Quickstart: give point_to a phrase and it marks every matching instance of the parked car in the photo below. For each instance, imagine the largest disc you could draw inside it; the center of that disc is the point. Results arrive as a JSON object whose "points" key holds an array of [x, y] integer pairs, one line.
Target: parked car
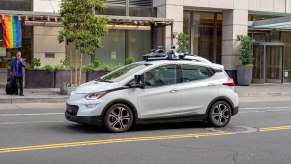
{"points": [[155, 91]]}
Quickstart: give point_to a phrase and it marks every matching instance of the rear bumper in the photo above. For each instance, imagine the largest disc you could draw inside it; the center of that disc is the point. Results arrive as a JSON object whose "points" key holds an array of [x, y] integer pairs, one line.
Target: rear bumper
{"points": [[89, 120], [235, 110]]}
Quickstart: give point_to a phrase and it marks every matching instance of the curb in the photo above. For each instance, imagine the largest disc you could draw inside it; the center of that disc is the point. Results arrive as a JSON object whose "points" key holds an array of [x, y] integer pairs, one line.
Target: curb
{"points": [[33, 100]]}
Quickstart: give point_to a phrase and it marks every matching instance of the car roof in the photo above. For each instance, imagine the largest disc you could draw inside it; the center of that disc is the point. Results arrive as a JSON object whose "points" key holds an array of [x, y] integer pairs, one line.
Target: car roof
{"points": [[191, 62]]}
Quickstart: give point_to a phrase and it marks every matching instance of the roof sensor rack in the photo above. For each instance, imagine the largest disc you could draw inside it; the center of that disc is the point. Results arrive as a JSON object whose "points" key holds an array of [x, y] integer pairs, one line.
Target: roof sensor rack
{"points": [[159, 54]]}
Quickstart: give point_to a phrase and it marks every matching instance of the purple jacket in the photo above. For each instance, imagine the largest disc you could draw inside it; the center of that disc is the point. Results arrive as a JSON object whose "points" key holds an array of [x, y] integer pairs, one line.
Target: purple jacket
{"points": [[13, 67]]}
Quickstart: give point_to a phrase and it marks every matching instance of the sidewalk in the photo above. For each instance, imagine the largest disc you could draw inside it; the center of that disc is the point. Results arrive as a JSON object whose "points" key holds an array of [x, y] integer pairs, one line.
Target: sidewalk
{"points": [[47, 95], [263, 90], [52, 95]]}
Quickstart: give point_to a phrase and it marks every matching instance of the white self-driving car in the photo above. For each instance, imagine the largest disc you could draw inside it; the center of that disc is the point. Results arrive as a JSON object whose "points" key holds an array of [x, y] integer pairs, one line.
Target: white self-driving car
{"points": [[155, 91]]}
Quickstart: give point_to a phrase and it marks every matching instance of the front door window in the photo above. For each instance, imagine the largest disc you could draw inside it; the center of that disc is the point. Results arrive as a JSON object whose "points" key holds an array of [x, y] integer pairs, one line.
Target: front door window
{"points": [[164, 75]]}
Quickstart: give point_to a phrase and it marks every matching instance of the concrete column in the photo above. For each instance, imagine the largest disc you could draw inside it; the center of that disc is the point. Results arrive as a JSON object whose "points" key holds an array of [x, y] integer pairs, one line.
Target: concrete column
{"points": [[171, 9], [235, 22]]}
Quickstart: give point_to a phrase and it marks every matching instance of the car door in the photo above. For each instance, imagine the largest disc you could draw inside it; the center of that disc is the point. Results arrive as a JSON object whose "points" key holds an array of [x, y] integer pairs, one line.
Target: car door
{"points": [[199, 87], [161, 96]]}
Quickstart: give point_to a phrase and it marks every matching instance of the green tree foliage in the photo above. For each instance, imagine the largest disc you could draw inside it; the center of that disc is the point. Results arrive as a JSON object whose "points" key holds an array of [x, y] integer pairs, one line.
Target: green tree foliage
{"points": [[183, 43], [81, 26], [246, 50]]}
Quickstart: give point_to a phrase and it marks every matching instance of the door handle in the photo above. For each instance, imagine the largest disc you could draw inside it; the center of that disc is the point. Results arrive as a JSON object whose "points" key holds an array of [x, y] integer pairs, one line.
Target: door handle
{"points": [[212, 85], [174, 90]]}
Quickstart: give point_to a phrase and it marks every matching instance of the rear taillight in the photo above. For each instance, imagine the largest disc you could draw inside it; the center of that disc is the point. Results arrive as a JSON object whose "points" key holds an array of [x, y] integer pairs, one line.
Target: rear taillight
{"points": [[229, 83]]}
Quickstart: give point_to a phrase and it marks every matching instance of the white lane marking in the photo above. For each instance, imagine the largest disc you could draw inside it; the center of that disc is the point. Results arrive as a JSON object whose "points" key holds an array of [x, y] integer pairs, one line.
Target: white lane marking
{"points": [[274, 110], [266, 108], [13, 123], [31, 114]]}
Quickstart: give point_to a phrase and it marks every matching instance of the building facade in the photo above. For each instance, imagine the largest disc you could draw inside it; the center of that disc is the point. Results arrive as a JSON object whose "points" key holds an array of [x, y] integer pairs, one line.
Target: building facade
{"points": [[213, 27]]}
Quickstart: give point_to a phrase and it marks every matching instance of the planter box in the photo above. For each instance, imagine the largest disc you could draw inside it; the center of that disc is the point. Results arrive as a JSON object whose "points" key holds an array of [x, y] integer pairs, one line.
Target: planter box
{"points": [[39, 79], [64, 76], [244, 75], [94, 75]]}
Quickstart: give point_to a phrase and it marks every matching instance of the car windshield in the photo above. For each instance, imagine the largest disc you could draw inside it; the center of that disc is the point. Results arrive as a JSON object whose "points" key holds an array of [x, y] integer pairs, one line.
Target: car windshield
{"points": [[122, 73]]}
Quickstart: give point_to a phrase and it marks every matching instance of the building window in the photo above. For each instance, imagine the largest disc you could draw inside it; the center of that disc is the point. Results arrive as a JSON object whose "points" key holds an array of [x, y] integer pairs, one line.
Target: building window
{"points": [[137, 8], [19, 5], [118, 45], [205, 31], [140, 11], [139, 43], [113, 10]]}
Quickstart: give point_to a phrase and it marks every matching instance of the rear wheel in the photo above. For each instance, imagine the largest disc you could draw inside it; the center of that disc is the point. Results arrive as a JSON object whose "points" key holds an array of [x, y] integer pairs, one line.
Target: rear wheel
{"points": [[219, 114], [118, 118]]}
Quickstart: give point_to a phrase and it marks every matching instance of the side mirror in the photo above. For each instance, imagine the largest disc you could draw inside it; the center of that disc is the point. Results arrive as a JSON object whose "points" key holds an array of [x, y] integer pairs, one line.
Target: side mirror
{"points": [[136, 83], [137, 78]]}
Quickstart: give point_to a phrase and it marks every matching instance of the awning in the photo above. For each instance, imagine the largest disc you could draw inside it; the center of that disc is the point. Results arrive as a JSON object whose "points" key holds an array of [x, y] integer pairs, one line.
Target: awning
{"points": [[281, 23], [116, 22], [31, 18]]}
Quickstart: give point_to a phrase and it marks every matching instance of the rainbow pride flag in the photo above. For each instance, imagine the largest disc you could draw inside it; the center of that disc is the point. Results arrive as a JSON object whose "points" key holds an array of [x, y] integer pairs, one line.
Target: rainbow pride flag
{"points": [[12, 33]]}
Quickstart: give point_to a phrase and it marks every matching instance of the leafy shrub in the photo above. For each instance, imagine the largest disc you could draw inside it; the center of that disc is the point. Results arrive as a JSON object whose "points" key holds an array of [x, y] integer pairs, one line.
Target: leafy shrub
{"points": [[35, 63], [246, 50], [59, 67], [108, 68], [66, 61], [183, 43], [67, 84], [48, 68], [89, 67], [96, 63], [129, 60]]}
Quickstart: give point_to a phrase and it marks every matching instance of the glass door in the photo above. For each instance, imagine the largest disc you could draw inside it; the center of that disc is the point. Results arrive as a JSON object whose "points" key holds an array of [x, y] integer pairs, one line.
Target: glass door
{"points": [[268, 63], [258, 69], [287, 64], [274, 64]]}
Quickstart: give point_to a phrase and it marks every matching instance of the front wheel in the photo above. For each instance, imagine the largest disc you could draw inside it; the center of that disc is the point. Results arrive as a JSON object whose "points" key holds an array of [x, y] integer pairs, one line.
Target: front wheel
{"points": [[219, 114], [118, 118]]}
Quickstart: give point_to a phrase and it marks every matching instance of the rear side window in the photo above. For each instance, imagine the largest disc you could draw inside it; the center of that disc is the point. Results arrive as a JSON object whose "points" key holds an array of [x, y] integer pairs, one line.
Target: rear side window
{"points": [[194, 72]]}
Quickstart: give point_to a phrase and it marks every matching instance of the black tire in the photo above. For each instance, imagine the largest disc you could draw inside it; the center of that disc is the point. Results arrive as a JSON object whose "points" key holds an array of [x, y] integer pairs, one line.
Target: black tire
{"points": [[118, 118], [219, 114]]}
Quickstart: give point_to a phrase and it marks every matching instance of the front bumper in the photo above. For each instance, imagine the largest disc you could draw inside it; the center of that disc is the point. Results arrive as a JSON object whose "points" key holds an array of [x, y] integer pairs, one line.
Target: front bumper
{"points": [[89, 120], [235, 110]]}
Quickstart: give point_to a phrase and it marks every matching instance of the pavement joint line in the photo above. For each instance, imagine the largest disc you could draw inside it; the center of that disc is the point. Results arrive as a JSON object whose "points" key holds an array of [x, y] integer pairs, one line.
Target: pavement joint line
{"points": [[124, 140]]}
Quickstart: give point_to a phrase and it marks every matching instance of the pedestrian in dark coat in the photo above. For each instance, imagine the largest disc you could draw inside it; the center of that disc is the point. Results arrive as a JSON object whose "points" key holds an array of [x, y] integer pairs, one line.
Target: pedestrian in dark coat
{"points": [[17, 73]]}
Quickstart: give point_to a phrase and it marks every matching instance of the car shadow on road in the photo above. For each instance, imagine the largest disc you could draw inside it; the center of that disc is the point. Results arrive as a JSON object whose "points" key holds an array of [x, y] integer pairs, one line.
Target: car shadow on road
{"points": [[88, 129], [170, 126]]}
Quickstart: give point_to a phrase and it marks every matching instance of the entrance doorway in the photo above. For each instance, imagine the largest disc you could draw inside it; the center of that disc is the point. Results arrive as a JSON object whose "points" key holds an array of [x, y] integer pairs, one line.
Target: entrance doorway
{"points": [[268, 64]]}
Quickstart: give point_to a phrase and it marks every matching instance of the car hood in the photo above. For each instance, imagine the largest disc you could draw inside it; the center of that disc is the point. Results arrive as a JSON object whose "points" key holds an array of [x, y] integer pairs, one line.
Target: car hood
{"points": [[95, 86]]}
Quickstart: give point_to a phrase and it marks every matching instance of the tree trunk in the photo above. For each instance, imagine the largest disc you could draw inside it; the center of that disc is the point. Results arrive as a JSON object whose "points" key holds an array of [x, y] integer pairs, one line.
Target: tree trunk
{"points": [[76, 68], [71, 70], [81, 64]]}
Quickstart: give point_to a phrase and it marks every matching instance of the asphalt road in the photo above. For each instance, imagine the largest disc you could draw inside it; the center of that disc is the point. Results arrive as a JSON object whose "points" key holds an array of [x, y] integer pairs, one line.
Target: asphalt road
{"points": [[39, 134]]}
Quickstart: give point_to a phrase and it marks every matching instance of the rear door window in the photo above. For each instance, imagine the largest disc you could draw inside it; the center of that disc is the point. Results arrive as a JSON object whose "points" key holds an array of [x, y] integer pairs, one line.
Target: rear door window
{"points": [[195, 72]]}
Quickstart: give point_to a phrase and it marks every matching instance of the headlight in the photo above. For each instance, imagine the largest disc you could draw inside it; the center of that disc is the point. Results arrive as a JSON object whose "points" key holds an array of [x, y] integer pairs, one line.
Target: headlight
{"points": [[96, 95]]}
